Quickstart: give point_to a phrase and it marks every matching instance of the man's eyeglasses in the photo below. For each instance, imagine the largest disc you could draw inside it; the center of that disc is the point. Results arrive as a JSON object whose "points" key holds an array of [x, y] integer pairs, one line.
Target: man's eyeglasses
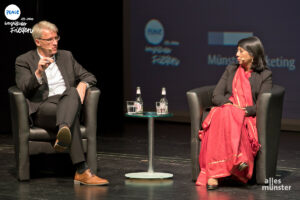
{"points": [[57, 38]]}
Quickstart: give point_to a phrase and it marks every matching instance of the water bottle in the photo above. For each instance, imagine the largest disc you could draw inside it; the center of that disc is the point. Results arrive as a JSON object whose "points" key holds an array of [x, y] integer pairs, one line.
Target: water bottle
{"points": [[139, 100], [164, 101]]}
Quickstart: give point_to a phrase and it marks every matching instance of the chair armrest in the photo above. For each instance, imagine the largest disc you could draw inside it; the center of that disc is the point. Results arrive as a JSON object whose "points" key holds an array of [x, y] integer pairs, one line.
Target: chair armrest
{"points": [[19, 113], [20, 129], [90, 106], [198, 100], [90, 109], [269, 114]]}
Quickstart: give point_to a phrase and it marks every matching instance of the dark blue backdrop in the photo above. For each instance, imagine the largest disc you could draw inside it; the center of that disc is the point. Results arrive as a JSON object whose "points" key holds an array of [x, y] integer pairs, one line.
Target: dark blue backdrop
{"points": [[197, 40]]}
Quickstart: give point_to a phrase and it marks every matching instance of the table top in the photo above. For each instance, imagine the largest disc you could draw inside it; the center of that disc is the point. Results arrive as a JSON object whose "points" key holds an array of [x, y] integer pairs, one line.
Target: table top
{"points": [[148, 115]]}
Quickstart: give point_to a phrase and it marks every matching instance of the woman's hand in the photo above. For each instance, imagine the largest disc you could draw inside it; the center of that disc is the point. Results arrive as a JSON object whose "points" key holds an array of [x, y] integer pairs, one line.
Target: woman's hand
{"points": [[237, 106], [244, 109]]}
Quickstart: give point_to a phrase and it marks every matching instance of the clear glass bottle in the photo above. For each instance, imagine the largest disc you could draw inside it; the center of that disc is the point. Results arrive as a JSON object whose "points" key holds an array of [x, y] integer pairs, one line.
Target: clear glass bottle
{"points": [[139, 100], [164, 101]]}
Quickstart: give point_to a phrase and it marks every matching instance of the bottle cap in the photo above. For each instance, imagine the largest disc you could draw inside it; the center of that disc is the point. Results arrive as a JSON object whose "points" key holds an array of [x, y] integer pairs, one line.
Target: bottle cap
{"points": [[163, 91], [138, 90]]}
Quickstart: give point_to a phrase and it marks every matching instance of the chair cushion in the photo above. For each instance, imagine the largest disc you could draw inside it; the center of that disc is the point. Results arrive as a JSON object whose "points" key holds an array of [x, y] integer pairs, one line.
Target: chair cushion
{"points": [[40, 134], [39, 147]]}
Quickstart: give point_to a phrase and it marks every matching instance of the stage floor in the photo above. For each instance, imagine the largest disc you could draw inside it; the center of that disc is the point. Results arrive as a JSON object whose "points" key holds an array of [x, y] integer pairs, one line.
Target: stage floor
{"points": [[124, 151]]}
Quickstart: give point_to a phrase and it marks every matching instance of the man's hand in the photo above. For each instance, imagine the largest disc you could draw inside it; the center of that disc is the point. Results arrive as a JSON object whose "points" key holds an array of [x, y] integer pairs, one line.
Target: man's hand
{"points": [[81, 89], [42, 65]]}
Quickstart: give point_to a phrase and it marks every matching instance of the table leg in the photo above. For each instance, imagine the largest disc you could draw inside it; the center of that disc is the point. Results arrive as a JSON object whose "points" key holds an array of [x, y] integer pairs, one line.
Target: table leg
{"points": [[150, 174], [150, 144]]}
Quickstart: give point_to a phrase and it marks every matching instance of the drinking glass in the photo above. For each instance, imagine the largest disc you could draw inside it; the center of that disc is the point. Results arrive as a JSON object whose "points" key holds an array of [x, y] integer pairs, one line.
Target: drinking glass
{"points": [[131, 107]]}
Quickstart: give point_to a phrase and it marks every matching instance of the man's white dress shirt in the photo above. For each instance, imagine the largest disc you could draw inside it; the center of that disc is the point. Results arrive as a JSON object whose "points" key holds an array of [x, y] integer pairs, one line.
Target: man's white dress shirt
{"points": [[56, 82]]}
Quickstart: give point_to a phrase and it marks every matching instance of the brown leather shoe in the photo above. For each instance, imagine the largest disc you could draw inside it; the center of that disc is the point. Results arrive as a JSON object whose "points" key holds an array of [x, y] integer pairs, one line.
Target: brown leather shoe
{"points": [[87, 178], [63, 140]]}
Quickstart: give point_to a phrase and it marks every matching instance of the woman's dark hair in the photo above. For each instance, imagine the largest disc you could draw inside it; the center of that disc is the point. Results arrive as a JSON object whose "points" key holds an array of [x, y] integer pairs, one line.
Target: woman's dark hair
{"points": [[255, 48]]}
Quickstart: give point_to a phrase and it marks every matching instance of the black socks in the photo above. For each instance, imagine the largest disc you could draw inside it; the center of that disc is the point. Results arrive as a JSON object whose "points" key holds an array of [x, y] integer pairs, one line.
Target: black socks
{"points": [[81, 167]]}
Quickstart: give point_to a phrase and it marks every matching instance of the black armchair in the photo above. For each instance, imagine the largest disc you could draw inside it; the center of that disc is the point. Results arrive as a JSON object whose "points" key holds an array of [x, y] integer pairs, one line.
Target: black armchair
{"points": [[269, 113], [34, 140]]}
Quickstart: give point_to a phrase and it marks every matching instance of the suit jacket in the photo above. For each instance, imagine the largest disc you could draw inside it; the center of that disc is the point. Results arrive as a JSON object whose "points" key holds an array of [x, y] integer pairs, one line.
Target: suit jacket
{"points": [[260, 82], [26, 65]]}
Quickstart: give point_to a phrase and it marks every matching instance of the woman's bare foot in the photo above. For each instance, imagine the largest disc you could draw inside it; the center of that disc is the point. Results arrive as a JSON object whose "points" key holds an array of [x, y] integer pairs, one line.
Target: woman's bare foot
{"points": [[212, 183]]}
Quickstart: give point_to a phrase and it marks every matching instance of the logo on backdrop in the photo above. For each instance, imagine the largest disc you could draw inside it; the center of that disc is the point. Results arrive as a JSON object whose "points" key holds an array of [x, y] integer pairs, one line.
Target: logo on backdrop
{"points": [[12, 12], [154, 32], [160, 49], [231, 39]]}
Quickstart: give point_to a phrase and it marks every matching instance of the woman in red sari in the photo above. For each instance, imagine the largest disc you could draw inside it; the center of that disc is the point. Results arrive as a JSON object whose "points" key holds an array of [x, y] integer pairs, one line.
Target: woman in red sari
{"points": [[229, 135]]}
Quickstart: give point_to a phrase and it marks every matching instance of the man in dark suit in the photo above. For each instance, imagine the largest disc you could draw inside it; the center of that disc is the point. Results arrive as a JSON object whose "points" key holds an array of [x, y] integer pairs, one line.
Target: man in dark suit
{"points": [[54, 85]]}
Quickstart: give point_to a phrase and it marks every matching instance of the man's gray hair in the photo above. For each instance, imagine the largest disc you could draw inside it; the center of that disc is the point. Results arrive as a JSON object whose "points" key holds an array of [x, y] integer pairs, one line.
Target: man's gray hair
{"points": [[40, 26]]}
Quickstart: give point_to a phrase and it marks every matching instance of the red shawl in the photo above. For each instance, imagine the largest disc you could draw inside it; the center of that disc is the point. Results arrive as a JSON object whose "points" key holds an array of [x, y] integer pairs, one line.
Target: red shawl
{"points": [[228, 136]]}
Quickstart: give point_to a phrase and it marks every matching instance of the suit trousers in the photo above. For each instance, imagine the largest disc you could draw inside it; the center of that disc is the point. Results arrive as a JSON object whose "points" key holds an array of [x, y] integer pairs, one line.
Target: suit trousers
{"points": [[60, 110]]}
